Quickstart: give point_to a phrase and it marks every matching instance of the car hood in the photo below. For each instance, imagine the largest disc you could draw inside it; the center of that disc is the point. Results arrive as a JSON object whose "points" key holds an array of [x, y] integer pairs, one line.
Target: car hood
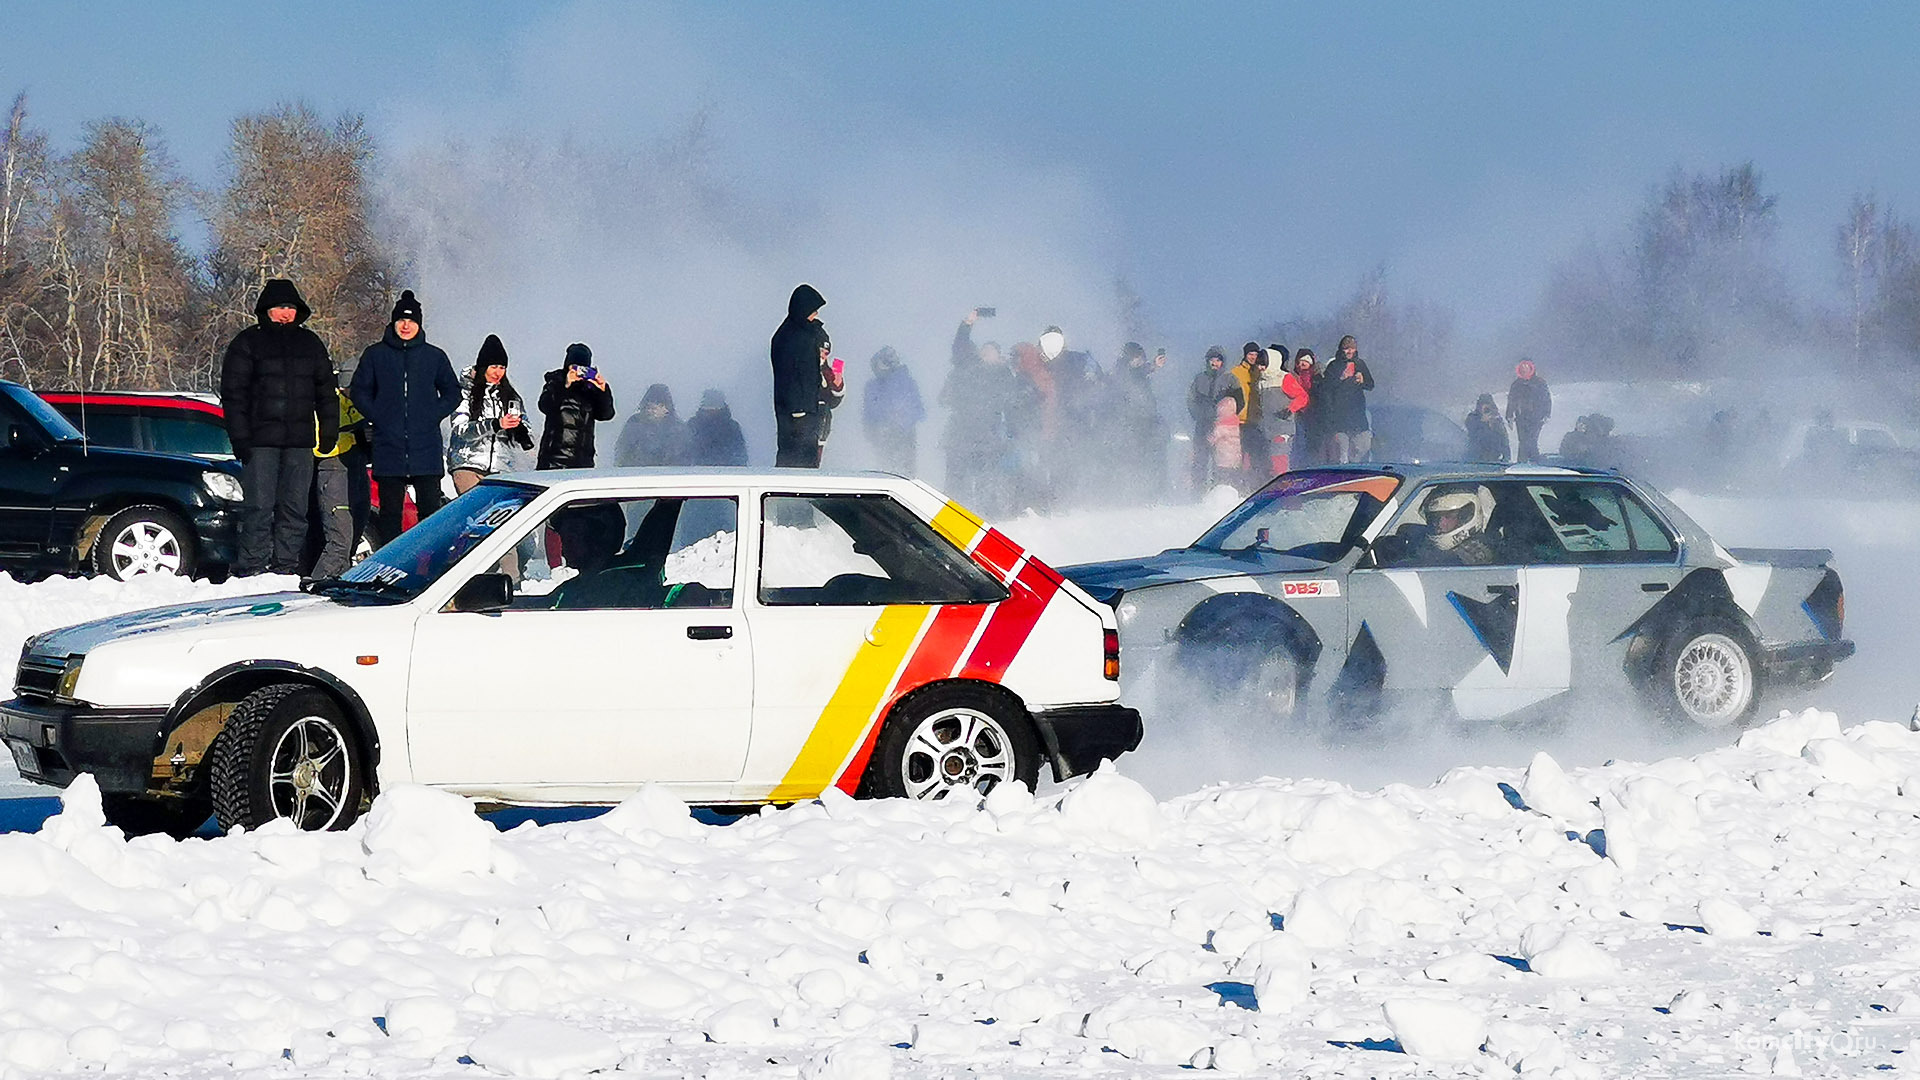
{"points": [[127, 457], [1106, 579], [197, 617]]}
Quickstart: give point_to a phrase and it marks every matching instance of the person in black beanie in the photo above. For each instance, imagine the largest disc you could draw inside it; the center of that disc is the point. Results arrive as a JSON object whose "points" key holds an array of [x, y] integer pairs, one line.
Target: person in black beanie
{"points": [[277, 389], [800, 382], [490, 421], [574, 398], [405, 387]]}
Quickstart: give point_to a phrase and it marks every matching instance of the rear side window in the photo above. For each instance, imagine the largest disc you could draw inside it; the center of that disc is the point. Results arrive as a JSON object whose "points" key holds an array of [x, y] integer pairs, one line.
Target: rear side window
{"points": [[861, 550], [109, 428], [1598, 523]]}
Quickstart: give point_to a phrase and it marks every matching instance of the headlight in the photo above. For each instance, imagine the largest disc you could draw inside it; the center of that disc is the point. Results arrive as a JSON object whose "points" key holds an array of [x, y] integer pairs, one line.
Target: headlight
{"points": [[69, 678], [225, 486]]}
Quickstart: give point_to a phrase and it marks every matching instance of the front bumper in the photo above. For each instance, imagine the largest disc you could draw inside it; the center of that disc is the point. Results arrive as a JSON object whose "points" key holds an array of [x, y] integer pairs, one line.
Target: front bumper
{"points": [[54, 743], [1078, 738], [216, 529]]}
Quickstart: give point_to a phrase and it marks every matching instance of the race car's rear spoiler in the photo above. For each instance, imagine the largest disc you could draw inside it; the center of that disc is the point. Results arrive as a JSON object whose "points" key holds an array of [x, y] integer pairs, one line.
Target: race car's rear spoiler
{"points": [[1783, 557]]}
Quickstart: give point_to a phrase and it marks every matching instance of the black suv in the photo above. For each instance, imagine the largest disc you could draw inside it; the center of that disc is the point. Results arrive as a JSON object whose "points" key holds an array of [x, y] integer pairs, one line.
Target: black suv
{"points": [[67, 506]]}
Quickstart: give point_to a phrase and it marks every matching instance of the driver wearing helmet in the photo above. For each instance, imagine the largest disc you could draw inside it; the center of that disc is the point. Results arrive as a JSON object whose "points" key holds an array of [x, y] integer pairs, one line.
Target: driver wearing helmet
{"points": [[1456, 530]]}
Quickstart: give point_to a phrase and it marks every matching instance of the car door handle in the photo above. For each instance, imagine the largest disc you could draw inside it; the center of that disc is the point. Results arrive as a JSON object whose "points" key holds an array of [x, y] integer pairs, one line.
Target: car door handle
{"points": [[709, 633], [1653, 586], [1506, 592]]}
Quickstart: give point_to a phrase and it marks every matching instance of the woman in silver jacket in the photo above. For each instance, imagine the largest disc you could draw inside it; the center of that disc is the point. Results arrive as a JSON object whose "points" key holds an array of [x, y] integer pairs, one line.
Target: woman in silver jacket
{"points": [[489, 422]]}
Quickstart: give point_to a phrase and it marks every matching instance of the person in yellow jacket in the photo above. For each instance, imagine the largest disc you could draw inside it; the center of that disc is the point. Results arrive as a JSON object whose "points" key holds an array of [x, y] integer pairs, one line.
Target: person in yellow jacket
{"points": [[1249, 373], [331, 493]]}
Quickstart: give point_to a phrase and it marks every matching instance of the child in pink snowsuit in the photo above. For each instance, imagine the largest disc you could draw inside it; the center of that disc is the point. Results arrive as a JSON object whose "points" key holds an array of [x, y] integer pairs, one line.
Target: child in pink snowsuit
{"points": [[1228, 458]]}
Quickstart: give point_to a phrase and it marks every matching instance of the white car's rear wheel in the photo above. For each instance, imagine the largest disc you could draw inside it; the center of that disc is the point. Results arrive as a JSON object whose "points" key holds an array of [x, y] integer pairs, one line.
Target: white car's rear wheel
{"points": [[955, 741]]}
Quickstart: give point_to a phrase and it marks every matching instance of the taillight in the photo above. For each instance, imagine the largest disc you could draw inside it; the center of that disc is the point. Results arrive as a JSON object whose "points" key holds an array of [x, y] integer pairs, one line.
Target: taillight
{"points": [[1110, 642]]}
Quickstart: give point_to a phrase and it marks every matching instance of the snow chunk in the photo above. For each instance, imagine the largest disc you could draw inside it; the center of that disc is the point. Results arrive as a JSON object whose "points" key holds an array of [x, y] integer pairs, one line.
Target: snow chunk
{"points": [[535, 1047], [1724, 918], [429, 1019], [649, 813], [1547, 788], [741, 1022], [850, 1061], [420, 834], [1840, 763], [1789, 734], [1107, 806], [1550, 953], [1142, 1031], [1465, 968], [1443, 1030]]}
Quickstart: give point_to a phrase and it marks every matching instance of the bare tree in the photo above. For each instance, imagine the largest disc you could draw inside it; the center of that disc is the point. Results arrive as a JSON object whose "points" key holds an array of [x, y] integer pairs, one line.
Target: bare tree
{"points": [[296, 204]]}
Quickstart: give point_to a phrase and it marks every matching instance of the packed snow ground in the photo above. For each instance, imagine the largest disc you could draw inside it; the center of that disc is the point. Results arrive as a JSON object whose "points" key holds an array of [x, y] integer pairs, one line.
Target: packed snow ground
{"points": [[1749, 908]]}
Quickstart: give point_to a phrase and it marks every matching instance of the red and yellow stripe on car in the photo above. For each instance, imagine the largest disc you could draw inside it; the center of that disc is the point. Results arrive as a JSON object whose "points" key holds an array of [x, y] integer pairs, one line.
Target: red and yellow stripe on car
{"points": [[913, 645]]}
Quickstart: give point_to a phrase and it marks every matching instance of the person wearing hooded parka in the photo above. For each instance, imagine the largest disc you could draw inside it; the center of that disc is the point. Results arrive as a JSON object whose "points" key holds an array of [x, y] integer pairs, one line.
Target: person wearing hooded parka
{"points": [[713, 435], [800, 386], [653, 435], [405, 387], [278, 393], [891, 411]]}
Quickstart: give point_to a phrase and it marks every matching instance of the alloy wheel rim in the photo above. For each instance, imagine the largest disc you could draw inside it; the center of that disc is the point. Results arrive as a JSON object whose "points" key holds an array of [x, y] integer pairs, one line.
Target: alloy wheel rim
{"points": [[1711, 679], [1276, 685], [956, 750], [311, 774], [145, 547]]}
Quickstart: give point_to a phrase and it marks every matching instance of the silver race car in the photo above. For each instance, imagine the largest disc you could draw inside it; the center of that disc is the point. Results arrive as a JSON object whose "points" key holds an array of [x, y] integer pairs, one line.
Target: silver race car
{"points": [[1480, 592]]}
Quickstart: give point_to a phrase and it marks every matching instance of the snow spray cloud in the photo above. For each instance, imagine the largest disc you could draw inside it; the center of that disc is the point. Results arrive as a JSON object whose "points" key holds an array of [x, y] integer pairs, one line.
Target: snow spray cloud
{"points": [[665, 227]]}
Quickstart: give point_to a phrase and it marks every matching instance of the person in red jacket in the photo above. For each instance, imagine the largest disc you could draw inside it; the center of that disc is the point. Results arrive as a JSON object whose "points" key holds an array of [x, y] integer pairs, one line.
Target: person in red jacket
{"points": [[1297, 385]]}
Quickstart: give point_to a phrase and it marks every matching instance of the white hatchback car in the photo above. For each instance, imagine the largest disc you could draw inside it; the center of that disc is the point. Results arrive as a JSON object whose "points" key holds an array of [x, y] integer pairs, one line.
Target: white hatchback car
{"points": [[566, 637]]}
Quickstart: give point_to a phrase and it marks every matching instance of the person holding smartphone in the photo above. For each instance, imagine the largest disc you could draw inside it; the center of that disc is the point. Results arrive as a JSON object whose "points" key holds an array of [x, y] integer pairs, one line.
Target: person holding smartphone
{"points": [[573, 399], [802, 377], [490, 422]]}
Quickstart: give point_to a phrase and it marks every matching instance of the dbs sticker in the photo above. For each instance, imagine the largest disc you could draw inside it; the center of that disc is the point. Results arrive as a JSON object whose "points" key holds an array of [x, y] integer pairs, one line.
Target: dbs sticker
{"points": [[1310, 588]]}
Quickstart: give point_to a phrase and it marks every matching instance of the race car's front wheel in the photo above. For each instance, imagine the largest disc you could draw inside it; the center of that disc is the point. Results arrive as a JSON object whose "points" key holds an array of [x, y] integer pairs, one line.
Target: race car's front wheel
{"points": [[1708, 675], [954, 741], [288, 753]]}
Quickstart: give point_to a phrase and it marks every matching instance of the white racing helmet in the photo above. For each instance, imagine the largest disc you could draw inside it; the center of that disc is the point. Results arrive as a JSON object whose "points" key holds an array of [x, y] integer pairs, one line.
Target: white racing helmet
{"points": [[1474, 503]]}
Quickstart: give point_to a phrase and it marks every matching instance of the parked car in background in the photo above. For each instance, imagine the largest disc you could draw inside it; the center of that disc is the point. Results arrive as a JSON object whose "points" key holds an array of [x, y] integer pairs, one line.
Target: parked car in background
{"points": [[69, 506], [738, 637], [1403, 432], [1474, 593], [183, 423]]}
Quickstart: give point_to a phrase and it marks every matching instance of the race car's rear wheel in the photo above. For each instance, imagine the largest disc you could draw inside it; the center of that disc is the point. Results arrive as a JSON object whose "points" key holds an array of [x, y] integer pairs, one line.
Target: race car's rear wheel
{"points": [[287, 752], [142, 540], [954, 741], [1707, 675]]}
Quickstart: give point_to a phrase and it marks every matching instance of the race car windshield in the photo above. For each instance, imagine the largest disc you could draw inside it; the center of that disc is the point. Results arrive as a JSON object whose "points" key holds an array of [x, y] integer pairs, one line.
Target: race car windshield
{"points": [[416, 558], [1316, 515]]}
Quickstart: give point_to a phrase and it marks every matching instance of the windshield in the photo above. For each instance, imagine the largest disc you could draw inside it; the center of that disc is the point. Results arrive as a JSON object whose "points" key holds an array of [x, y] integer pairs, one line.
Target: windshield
{"points": [[1315, 515], [418, 557], [49, 418]]}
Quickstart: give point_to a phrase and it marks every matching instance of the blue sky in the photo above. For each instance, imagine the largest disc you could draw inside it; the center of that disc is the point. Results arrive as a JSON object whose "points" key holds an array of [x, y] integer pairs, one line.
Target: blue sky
{"points": [[1235, 161]]}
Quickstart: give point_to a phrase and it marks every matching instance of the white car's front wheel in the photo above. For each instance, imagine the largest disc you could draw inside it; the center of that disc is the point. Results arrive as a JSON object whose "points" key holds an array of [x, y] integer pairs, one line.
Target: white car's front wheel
{"points": [[288, 753], [954, 741], [1709, 675]]}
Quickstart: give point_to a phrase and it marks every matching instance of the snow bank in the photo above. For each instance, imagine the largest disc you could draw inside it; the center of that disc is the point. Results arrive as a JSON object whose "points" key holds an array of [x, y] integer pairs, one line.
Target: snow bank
{"points": [[1274, 928]]}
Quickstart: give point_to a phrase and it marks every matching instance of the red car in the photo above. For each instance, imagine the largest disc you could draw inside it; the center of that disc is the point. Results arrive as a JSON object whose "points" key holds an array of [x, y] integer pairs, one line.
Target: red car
{"points": [[171, 422]]}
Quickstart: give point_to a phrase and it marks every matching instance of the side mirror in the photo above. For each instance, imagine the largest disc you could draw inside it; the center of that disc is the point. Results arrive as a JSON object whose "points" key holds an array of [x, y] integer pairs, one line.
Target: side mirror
{"points": [[486, 593]]}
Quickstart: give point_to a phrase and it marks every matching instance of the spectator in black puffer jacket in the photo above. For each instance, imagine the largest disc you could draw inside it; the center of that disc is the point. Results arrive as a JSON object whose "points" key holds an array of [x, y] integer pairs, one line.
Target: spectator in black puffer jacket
{"points": [[575, 398], [655, 435], [713, 435], [277, 388], [405, 387]]}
